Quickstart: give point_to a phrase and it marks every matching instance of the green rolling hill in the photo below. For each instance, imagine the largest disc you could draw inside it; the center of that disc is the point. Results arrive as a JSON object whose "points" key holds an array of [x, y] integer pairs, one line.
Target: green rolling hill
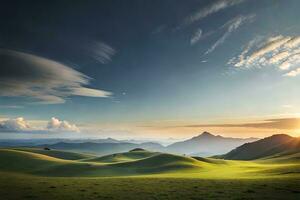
{"points": [[128, 163], [123, 157], [67, 155], [141, 163], [26, 162]]}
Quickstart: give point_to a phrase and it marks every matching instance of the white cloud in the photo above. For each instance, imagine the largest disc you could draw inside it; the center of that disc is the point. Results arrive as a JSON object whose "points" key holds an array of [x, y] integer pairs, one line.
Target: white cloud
{"points": [[196, 36], [279, 57], [280, 51], [61, 126], [272, 46], [242, 57], [90, 92], [15, 125], [293, 73], [292, 60], [210, 9], [294, 42], [46, 81], [231, 26], [20, 125]]}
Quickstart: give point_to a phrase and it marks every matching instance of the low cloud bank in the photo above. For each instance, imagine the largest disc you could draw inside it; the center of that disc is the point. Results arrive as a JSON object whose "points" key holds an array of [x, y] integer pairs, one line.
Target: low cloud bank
{"points": [[20, 125]]}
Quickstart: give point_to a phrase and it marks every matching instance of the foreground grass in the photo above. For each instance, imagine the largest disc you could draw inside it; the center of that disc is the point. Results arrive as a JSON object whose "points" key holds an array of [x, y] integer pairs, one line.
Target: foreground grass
{"points": [[16, 186]]}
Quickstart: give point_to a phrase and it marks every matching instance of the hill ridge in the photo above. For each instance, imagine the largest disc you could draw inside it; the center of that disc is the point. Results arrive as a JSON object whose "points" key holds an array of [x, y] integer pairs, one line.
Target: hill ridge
{"points": [[268, 146]]}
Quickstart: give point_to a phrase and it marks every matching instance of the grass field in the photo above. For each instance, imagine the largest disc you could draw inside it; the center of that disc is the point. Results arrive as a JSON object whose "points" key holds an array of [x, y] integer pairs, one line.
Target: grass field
{"points": [[39, 174]]}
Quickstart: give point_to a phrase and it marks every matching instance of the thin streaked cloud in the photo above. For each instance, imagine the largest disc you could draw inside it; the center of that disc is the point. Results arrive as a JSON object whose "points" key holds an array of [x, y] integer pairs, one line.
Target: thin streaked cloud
{"points": [[280, 51], [282, 123], [230, 27], [210, 9], [196, 36], [11, 106], [99, 51]]}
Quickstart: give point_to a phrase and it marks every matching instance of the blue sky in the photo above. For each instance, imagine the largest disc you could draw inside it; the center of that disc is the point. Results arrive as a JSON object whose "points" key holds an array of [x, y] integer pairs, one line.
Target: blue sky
{"points": [[149, 68]]}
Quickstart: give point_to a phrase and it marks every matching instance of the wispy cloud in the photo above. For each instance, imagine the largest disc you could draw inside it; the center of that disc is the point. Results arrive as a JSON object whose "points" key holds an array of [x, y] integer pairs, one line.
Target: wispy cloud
{"points": [[283, 123], [99, 51], [280, 51], [210, 9], [270, 46], [293, 73], [230, 27], [196, 36], [11, 106], [290, 61], [45, 80], [287, 106]]}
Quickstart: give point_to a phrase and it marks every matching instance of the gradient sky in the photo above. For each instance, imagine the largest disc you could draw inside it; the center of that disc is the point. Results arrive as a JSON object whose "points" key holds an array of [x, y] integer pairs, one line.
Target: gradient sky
{"points": [[149, 69]]}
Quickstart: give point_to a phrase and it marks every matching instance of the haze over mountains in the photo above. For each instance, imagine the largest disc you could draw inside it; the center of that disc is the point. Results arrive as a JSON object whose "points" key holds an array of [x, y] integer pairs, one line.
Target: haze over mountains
{"points": [[205, 144], [103, 148]]}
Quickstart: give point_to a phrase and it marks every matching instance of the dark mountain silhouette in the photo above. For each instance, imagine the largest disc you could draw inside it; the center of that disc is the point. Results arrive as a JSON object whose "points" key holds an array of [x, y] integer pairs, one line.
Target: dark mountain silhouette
{"points": [[276, 144], [207, 144]]}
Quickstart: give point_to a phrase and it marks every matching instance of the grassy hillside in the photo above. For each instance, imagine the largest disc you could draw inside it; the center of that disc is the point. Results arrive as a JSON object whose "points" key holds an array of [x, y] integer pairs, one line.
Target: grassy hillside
{"points": [[145, 163], [158, 163], [67, 155], [25, 174], [285, 157], [26, 162], [123, 157], [134, 163]]}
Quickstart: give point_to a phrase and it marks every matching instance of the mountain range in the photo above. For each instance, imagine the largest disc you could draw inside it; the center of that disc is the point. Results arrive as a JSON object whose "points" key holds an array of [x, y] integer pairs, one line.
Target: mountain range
{"points": [[205, 144]]}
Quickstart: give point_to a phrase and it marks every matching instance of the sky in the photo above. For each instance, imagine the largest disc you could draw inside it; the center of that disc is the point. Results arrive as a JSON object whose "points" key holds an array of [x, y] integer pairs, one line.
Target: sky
{"points": [[144, 69]]}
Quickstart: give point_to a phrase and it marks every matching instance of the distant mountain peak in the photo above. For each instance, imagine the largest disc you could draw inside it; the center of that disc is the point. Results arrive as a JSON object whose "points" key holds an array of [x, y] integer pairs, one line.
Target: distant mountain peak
{"points": [[205, 134], [208, 143]]}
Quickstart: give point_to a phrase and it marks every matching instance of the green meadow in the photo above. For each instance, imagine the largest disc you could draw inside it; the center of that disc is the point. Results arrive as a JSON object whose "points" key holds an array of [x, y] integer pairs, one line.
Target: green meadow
{"points": [[27, 173]]}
